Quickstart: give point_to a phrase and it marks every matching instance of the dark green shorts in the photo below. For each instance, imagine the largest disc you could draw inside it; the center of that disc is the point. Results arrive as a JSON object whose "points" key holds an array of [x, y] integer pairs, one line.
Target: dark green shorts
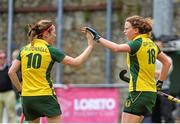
{"points": [[140, 103], [40, 106]]}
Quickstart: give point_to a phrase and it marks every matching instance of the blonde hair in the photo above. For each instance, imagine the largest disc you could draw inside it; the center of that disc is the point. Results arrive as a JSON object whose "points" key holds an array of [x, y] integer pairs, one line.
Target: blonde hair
{"points": [[36, 31]]}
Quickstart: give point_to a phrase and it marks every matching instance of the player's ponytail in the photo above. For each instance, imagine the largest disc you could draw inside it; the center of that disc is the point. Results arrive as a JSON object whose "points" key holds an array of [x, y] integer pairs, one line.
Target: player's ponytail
{"points": [[37, 30]]}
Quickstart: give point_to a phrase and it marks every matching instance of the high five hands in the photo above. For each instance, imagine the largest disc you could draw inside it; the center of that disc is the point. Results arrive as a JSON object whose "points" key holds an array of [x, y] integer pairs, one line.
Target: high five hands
{"points": [[94, 33]]}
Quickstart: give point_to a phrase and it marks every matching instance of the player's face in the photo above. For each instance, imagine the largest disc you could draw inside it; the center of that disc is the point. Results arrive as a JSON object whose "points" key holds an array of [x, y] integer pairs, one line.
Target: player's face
{"points": [[129, 31], [52, 35]]}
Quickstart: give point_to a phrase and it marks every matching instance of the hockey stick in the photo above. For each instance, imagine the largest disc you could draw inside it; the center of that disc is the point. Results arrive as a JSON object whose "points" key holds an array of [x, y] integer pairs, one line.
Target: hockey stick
{"points": [[169, 97]]}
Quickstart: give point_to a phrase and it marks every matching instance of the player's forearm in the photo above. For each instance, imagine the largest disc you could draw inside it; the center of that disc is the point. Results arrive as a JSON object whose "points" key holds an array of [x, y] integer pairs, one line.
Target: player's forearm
{"points": [[14, 79], [164, 71], [114, 46], [108, 44], [83, 56]]}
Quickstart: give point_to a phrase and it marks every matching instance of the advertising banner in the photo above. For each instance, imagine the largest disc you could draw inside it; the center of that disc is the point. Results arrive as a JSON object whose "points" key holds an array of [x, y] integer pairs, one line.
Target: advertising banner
{"points": [[89, 105]]}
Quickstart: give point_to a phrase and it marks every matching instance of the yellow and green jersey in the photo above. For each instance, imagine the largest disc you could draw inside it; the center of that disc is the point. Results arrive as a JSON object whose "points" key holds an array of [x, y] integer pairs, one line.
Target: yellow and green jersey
{"points": [[36, 64], [141, 63]]}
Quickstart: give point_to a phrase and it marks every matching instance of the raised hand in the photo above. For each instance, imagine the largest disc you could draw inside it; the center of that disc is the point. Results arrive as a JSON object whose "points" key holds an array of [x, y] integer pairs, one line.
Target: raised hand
{"points": [[94, 33], [89, 36]]}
